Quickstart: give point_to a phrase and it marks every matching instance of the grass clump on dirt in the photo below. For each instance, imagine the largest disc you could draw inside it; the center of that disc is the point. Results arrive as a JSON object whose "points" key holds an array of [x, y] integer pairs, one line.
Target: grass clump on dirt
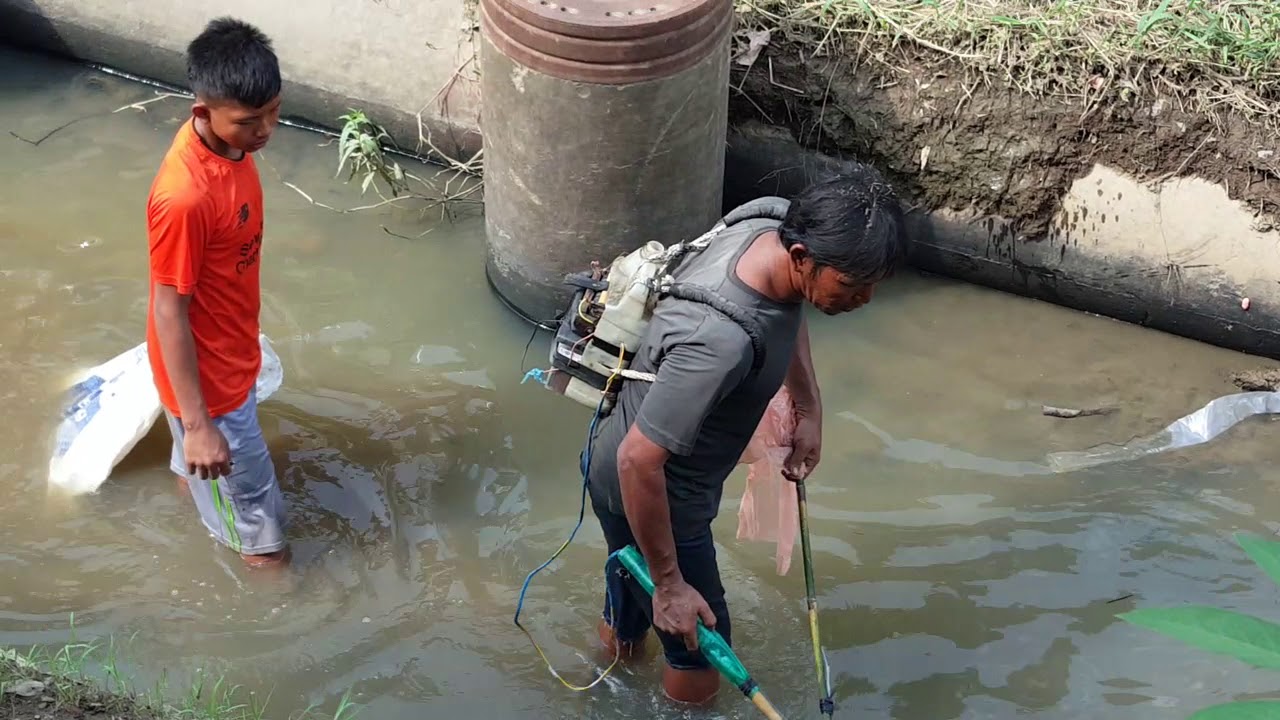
{"points": [[82, 681], [1207, 55]]}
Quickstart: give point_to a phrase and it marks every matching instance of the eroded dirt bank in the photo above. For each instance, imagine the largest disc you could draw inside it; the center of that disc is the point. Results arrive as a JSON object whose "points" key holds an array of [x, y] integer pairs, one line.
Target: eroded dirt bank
{"points": [[948, 143], [1005, 168]]}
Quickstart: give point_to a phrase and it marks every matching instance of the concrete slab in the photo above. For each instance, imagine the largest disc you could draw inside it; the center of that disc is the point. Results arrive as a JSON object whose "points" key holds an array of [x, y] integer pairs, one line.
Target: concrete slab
{"points": [[393, 58]]}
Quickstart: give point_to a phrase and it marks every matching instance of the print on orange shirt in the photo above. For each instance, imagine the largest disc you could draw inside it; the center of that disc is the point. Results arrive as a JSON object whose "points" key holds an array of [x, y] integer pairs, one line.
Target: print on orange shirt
{"points": [[204, 227]]}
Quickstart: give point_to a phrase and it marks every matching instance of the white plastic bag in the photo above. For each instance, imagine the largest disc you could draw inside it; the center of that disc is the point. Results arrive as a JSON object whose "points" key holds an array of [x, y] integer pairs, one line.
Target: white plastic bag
{"points": [[113, 406]]}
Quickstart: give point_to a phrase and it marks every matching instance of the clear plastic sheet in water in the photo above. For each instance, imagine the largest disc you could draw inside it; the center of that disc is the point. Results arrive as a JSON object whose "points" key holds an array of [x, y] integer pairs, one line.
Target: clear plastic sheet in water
{"points": [[1201, 426]]}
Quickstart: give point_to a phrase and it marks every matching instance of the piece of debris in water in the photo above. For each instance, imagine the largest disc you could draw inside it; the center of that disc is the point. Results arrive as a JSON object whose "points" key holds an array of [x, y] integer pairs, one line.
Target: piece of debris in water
{"points": [[1068, 413], [1267, 380]]}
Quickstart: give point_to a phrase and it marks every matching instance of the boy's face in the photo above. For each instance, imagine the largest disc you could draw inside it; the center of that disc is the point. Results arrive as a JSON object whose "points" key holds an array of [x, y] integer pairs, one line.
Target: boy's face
{"points": [[244, 128]]}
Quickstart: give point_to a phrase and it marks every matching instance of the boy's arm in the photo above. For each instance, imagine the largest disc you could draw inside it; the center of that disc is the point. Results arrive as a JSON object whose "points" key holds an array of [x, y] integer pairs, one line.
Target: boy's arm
{"points": [[177, 232], [178, 349]]}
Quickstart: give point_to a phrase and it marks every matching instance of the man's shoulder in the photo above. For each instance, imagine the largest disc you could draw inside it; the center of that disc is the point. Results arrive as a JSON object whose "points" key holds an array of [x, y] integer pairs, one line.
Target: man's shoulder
{"points": [[685, 322]]}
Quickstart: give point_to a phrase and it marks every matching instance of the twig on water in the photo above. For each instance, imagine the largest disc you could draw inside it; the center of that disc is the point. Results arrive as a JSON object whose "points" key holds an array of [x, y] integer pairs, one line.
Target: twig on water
{"points": [[319, 204], [388, 231], [140, 105], [1068, 413], [51, 133]]}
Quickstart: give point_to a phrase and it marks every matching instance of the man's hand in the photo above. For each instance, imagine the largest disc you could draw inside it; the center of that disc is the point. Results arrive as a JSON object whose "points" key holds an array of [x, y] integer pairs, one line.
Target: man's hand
{"points": [[806, 446], [676, 609], [206, 452]]}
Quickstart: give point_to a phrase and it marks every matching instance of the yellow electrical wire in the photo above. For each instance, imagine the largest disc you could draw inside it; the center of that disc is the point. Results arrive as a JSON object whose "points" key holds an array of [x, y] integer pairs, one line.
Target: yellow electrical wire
{"points": [[617, 655]]}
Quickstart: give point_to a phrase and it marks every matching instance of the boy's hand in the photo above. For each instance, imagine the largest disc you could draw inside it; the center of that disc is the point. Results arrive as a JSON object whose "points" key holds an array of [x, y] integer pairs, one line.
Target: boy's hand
{"points": [[206, 452]]}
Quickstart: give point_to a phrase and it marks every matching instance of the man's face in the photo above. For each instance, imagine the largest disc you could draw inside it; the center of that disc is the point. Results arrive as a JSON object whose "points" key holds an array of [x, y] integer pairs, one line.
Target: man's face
{"points": [[244, 128], [828, 289], [834, 293]]}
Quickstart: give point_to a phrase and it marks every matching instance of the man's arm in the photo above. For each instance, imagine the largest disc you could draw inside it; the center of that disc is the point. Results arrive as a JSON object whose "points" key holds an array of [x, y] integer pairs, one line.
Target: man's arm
{"points": [[692, 378], [644, 499], [801, 381]]}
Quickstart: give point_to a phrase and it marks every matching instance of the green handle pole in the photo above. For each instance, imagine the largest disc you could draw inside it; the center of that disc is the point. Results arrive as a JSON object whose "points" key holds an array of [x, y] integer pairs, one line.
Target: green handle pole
{"points": [[710, 643]]}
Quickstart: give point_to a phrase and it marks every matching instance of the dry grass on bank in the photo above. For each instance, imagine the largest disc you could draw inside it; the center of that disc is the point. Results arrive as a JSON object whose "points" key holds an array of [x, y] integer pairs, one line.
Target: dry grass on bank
{"points": [[1208, 55]]}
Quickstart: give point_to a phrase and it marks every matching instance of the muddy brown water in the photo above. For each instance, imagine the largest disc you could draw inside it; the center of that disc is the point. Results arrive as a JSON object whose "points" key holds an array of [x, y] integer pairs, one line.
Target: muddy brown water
{"points": [[956, 579]]}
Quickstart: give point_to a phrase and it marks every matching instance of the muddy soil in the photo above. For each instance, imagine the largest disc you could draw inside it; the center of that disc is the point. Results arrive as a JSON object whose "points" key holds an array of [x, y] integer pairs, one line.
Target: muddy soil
{"points": [[33, 709], [948, 143], [35, 697]]}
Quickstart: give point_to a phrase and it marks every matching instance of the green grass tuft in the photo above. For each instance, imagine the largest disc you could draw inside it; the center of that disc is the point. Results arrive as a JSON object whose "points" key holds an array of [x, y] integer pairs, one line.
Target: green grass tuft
{"points": [[1207, 55], [85, 677]]}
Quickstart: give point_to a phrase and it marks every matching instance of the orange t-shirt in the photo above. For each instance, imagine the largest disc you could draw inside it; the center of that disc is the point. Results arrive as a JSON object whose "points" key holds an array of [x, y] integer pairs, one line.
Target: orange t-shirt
{"points": [[204, 226]]}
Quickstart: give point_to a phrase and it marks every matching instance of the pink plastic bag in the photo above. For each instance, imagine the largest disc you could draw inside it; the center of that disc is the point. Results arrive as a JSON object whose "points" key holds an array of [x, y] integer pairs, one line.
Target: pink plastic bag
{"points": [[769, 511]]}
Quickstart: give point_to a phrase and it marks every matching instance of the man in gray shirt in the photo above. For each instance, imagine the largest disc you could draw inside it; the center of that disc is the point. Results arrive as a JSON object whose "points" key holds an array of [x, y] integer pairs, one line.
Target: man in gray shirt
{"points": [[659, 460]]}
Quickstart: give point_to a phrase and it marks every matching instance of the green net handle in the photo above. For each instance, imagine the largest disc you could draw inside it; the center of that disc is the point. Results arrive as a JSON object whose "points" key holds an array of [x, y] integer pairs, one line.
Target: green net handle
{"points": [[710, 643]]}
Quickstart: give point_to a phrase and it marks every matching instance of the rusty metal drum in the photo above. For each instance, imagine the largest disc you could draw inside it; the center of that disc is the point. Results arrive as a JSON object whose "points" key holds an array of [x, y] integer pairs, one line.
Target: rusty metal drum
{"points": [[604, 125]]}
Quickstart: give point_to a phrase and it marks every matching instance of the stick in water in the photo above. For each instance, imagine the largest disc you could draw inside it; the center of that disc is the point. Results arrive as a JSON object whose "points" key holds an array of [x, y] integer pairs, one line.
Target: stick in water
{"points": [[1068, 413], [826, 704]]}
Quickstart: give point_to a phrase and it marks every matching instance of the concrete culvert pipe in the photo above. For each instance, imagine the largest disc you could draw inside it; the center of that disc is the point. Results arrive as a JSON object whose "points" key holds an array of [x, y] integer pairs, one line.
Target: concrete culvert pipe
{"points": [[604, 127]]}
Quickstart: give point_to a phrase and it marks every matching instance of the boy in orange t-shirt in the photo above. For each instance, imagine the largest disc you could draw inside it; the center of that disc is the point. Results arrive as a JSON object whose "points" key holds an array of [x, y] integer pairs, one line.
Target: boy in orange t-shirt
{"points": [[204, 226]]}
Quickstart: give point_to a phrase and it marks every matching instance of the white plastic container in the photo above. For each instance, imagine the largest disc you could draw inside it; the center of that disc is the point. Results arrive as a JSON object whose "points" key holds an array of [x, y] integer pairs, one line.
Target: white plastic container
{"points": [[628, 306]]}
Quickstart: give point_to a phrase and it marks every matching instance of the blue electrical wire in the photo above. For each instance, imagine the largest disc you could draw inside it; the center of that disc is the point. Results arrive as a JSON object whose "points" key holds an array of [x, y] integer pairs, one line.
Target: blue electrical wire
{"points": [[584, 467]]}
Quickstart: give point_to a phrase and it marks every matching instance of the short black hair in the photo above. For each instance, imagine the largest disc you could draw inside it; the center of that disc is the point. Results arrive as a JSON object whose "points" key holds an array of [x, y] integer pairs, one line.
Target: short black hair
{"points": [[231, 60], [851, 222]]}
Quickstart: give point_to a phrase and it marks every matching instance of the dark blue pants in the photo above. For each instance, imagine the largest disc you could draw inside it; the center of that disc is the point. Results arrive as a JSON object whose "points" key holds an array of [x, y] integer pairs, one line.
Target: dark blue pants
{"points": [[628, 608]]}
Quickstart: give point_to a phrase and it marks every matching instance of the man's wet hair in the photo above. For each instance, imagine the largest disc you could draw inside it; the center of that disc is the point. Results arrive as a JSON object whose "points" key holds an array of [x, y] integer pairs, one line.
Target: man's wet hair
{"points": [[851, 222], [233, 61]]}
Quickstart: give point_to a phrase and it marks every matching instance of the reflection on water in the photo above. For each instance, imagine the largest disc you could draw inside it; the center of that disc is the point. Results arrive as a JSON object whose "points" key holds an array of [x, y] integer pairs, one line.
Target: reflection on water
{"points": [[957, 578]]}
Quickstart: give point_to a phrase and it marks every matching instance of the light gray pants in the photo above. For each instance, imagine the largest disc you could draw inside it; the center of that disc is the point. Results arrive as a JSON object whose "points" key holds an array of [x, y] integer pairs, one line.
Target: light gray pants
{"points": [[246, 511]]}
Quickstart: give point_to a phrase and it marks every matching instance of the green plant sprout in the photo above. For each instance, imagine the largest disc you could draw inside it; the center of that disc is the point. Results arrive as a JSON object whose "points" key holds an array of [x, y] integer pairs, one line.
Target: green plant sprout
{"points": [[362, 151], [1247, 638], [360, 144]]}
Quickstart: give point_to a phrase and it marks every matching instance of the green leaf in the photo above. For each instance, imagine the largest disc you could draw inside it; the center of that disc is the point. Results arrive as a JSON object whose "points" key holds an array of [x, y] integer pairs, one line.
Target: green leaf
{"points": [[1266, 553], [1253, 710], [1244, 637]]}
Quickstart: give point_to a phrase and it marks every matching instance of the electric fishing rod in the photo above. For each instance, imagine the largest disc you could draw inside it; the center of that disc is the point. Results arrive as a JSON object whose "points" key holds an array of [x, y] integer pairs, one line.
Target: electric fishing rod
{"points": [[827, 704], [710, 643]]}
